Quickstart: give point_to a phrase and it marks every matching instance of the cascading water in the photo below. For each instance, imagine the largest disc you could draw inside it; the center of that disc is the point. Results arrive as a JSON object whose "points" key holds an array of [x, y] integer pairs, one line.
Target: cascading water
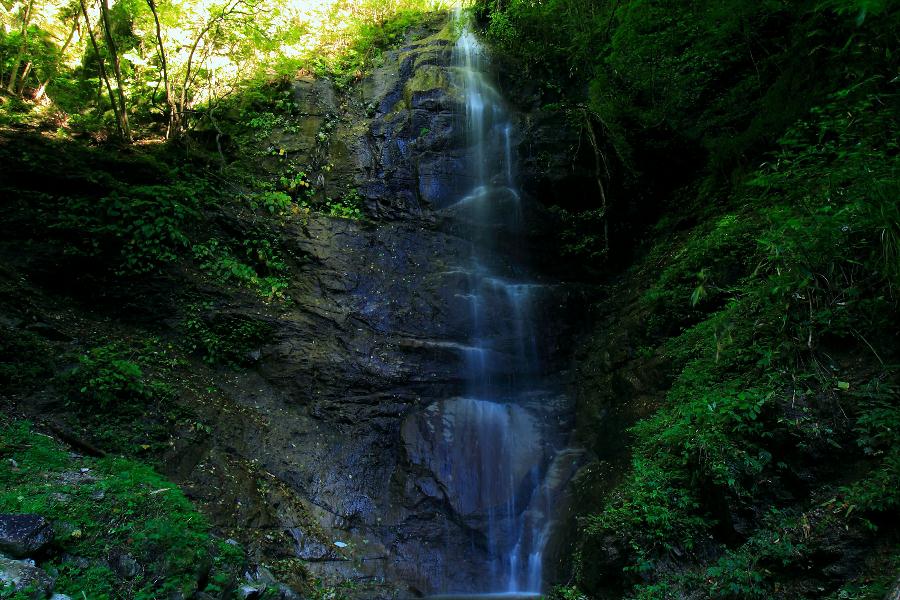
{"points": [[489, 445]]}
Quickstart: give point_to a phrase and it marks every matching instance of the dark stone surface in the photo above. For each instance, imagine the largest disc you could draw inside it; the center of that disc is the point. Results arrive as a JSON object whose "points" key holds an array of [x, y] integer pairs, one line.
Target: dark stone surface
{"points": [[24, 535]]}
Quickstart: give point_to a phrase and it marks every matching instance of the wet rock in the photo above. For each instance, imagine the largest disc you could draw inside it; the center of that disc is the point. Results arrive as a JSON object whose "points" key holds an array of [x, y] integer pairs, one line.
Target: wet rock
{"points": [[456, 436], [260, 574], [78, 561], [341, 403], [250, 592], [309, 548], [24, 535], [22, 575], [315, 97], [556, 162], [80, 477]]}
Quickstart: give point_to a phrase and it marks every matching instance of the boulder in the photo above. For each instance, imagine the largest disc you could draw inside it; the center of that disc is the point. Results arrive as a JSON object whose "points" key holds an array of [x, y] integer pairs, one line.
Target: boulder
{"points": [[22, 575], [24, 535]]}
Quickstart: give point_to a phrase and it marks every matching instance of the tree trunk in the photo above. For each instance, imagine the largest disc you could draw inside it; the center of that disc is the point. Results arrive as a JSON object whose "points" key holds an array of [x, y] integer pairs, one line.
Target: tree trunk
{"points": [[172, 115], [598, 160], [23, 49], [117, 70], [20, 89], [103, 75]]}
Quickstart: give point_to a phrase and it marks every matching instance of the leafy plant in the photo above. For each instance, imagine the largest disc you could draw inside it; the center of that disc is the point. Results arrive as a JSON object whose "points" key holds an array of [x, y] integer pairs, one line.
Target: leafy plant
{"points": [[223, 340], [106, 378]]}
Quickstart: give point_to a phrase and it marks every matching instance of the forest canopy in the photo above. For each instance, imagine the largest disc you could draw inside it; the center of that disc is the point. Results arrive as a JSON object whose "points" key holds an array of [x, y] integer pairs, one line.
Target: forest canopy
{"points": [[160, 66]]}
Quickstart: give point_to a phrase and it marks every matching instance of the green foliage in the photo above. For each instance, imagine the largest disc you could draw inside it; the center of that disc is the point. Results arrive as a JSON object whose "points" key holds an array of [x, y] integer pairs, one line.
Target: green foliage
{"points": [[261, 268], [371, 34], [320, 591], [122, 396], [104, 507], [178, 62], [147, 226], [24, 359], [753, 304], [566, 593], [349, 206], [878, 434], [107, 379], [581, 233], [273, 202], [227, 340]]}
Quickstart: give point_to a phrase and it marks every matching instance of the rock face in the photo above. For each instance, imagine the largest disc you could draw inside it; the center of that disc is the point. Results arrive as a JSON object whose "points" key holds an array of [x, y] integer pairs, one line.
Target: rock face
{"points": [[24, 535], [342, 407]]}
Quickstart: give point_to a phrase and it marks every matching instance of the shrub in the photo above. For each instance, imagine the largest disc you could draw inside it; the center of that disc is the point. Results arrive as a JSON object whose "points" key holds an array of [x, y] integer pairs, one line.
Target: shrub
{"points": [[107, 378], [226, 340]]}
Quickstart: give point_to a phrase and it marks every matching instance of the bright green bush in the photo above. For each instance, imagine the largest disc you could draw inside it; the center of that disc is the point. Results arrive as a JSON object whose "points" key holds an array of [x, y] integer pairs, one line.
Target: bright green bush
{"points": [[807, 270], [139, 228]]}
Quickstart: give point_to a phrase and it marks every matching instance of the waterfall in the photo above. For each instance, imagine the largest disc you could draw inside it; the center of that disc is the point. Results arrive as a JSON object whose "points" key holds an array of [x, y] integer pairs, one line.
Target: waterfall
{"points": [[489, 441]]}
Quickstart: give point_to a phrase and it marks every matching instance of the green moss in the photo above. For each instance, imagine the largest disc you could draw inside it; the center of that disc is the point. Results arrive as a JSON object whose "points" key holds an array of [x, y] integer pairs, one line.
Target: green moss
{"points": [[104, 507]]}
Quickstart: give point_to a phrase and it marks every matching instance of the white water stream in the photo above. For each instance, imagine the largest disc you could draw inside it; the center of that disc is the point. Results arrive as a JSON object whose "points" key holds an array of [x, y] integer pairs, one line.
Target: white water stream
{"points": [[489, 443]]}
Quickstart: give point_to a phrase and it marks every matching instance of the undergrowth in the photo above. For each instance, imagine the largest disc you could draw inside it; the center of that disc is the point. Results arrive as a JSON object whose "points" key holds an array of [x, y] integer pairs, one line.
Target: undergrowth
{"points": [[102, 508], [766, 403]]}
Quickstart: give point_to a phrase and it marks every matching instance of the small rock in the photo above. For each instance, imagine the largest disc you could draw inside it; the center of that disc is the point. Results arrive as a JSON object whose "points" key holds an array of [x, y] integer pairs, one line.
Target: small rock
{"points": [[24, 535], [125, 566], [260, 575], [78, 561], [249, 592], [76, 478], [23, 575], [286, 593], [60, 597]]}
